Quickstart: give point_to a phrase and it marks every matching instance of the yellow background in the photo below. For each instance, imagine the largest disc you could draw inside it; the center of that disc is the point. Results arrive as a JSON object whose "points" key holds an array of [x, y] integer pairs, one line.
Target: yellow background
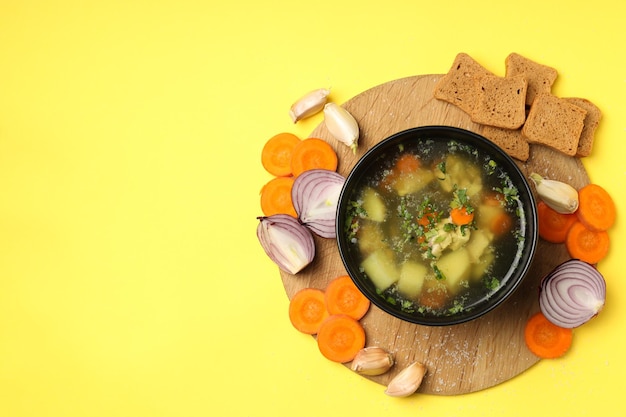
{"points": [[131, 279]]}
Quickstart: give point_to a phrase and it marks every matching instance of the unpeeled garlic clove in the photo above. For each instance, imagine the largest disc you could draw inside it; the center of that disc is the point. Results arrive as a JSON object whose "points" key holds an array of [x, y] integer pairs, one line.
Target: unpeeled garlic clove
{"points": [[372, 361], [309, 104], [342, 125], [559, 196], [407, 381]]}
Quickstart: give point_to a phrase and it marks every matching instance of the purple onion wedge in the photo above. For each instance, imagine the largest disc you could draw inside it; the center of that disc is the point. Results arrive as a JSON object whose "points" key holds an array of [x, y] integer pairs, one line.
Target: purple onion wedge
{"points": [[315, 195], [286, 241], [572, 294]]}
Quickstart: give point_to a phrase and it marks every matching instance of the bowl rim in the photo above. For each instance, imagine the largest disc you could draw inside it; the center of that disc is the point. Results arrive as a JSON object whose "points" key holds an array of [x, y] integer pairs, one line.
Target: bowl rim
{"points": [[518, 178]]}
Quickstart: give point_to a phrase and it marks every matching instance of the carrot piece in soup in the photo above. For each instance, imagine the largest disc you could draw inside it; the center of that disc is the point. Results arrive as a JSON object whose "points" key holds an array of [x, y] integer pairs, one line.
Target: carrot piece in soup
{"points": [[501, 223], [434, 295], [407, 163], [461, 216]]}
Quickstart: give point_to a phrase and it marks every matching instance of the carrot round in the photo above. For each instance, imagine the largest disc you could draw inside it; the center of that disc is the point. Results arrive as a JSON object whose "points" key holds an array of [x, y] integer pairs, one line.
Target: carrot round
{"points": [[427, 219], [277, 152], [307, 310], [460, 216], [340, 338], [587, 245], [494, 199], [343, 297], [553, 226], [596, 208], [313, 153], [545, 339], [501, 223], [407, 163], [387, 182], [434, 295], [276, 197]]}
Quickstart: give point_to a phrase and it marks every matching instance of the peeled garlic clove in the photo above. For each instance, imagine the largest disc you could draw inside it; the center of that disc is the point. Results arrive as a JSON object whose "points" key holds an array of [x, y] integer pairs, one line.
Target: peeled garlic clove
{"points": [[342, 125], [559, 196], [309, 104], [372, 361], [407, 381]]}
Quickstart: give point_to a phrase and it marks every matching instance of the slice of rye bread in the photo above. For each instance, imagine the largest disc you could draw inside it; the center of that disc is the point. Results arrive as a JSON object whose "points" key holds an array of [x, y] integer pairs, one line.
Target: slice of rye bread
{"points": [[592, 120], [540, 77], [457, 85], [510, 140], [554, 122], [500, 101]]}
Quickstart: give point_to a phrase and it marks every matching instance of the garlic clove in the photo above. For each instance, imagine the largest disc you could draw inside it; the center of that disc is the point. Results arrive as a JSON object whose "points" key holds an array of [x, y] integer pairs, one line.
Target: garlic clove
{"points": [[309, 104], [407, 381], [372, 361], [559, 196], [342, 125]]}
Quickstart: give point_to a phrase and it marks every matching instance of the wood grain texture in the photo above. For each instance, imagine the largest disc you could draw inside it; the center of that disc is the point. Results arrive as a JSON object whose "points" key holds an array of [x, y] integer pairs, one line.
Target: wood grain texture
{"points": [[462, 358]]}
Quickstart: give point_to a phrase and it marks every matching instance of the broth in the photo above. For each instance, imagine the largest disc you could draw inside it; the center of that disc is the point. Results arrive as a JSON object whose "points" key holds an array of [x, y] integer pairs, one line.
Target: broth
{"points": [[437, 227]]}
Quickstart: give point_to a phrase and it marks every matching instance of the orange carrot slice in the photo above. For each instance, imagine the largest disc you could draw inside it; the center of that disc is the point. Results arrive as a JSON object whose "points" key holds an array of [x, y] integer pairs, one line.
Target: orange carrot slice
{"points": [[407, 163], [343, 297], [501, 223], [460, 216], [545, 339], [276, 197], [553, 226], [313, 153], [307, 310], [434, 295], [340, 338], [587, 245], [596, 208], [277, 152]]}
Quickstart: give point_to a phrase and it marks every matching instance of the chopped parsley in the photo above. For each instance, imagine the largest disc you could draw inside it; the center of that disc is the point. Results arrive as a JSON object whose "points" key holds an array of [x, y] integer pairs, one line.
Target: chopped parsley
{"points": [[438, 274], [354, 213]]}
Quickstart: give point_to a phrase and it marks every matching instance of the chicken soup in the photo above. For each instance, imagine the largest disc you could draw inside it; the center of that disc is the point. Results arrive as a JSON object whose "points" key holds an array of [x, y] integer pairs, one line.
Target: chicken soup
{"points": [[437, 227]]}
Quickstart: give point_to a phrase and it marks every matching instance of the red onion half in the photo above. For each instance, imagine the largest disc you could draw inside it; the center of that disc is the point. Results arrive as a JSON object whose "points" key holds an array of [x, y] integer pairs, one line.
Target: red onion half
{"points": [[315, 194], [572, 294], [287, 242]]}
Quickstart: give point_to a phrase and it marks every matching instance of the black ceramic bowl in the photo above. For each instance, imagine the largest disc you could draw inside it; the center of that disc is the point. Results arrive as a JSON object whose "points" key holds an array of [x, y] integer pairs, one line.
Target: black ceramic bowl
{"points": [[469, 294]]}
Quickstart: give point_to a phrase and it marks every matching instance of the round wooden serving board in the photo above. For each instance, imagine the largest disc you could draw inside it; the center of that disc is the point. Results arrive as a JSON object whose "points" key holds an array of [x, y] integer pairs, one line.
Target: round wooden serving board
{"points": [[462, 358]]}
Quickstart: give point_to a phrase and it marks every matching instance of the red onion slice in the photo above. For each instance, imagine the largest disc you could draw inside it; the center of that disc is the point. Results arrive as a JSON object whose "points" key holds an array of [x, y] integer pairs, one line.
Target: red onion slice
{"points": [[315, 194], [572, 294], [287, 242]]}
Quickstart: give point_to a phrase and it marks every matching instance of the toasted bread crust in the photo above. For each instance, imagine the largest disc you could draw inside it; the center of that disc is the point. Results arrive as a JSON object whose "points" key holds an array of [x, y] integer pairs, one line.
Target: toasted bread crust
{"points": [[554, 122], [500, 101], [457, 85], [591, 122], [510, 140], [540, 77], [515, 119]]}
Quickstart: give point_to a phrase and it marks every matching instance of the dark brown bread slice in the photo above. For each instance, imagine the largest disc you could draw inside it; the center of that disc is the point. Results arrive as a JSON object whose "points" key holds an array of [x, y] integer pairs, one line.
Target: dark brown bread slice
{"points": [[554, 122], [510, 140], [540, 77], [457, 85], [500, 101], [592, 120]]}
